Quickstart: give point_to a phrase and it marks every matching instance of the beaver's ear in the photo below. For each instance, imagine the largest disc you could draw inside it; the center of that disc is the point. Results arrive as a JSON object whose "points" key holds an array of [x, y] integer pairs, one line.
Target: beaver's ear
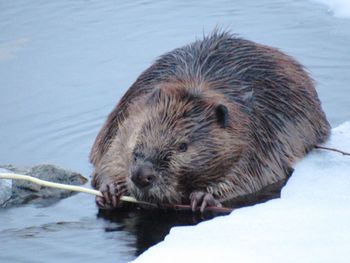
{"points": [[222, 116]]}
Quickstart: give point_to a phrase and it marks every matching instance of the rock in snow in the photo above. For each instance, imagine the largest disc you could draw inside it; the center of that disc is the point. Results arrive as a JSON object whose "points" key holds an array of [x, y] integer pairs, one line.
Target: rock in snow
{"points": [[309, 223]]}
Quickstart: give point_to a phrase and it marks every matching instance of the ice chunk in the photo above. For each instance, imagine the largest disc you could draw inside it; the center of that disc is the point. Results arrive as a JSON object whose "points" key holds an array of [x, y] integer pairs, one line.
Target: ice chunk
{"points": [[340, 8]]}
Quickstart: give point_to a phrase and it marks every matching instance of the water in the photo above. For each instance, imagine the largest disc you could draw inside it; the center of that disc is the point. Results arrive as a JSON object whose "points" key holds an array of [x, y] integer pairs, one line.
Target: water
{"points": [[63, 67]]}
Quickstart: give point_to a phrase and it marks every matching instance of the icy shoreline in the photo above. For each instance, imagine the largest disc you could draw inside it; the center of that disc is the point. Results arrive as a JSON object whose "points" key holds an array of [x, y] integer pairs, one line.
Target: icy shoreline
{"points": [[309, 223]]}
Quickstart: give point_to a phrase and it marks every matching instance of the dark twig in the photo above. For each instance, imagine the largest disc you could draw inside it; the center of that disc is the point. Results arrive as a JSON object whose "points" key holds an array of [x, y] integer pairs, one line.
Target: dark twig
{"points": [[215, 209], [331, 149]]}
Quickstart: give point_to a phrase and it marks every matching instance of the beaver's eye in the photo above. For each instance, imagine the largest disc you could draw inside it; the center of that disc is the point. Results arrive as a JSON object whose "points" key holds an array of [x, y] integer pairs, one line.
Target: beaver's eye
{"points": [[183, 147]]}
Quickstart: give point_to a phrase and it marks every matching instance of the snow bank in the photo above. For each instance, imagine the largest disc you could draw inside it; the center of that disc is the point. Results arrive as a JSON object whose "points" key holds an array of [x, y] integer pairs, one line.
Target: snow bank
{"points": [[310, 223], [340, 8]]}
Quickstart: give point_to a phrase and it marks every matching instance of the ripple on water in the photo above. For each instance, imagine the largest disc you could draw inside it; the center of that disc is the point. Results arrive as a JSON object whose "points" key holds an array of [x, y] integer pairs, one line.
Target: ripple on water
{"points": [[49, 242]]}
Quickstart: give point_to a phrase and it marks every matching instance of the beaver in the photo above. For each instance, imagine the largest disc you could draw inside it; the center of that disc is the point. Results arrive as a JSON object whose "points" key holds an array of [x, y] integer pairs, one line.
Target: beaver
{"points": [[219, 118]]}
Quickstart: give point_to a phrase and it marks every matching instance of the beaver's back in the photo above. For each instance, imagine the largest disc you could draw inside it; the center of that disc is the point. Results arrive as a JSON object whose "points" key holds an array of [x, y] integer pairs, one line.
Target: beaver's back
{"points": [[271, 87]]}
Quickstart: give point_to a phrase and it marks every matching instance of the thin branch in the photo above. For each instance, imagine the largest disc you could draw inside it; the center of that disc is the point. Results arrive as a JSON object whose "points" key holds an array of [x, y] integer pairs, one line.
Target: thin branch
{"points": [[331, 149], [98, 193], [216, 209]]}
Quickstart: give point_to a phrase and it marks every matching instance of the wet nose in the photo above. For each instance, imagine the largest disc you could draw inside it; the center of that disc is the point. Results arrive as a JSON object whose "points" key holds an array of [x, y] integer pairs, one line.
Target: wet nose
{"points": [[143, 176]]}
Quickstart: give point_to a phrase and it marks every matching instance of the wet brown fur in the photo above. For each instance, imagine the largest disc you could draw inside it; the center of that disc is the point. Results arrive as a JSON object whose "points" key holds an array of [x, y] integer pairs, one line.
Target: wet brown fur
{"points": [[274, 119]]}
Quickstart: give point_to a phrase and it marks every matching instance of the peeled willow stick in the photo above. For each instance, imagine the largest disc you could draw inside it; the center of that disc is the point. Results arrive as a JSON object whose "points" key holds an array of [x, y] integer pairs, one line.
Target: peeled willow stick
{"points": [[75, 188]]}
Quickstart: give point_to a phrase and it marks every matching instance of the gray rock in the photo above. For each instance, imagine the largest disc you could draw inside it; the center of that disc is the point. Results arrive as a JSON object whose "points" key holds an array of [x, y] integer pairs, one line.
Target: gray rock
{"points": [[5, 189], [20, 192]]}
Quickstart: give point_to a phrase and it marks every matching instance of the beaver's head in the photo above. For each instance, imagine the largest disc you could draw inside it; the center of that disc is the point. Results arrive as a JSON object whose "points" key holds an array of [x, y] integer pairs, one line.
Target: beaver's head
{"points": [[186, 142]]}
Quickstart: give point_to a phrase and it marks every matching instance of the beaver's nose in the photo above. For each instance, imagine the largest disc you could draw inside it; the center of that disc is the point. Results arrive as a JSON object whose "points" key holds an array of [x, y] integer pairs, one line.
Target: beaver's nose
{"points": [[143, 176]]}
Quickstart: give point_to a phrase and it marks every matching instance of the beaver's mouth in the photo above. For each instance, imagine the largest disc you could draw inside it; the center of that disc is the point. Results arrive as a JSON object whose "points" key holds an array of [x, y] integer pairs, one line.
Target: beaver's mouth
{"points": [[156, 194]]}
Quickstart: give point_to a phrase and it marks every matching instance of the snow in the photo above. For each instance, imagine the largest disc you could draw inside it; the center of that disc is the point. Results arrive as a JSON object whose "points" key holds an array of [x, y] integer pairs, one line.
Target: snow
{"points": [[309, 223], [340, 8]]}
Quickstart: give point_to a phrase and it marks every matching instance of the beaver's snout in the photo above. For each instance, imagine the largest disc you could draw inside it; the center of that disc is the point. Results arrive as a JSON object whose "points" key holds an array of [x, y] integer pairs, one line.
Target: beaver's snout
{"points": [[143, 175]]}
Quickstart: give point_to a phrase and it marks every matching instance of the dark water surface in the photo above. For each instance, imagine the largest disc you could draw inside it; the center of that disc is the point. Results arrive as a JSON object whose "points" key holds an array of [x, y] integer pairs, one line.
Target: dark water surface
{"points": [[65, 64]]}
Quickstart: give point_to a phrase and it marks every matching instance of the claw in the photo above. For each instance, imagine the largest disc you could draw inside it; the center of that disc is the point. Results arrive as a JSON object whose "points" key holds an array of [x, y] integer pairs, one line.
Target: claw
{"points": [[111, 194], [196, 198], [100, 201], [203, 200]]}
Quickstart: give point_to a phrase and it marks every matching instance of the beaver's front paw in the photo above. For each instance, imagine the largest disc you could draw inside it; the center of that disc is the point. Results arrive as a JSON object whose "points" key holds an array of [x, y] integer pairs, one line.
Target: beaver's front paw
{"points": [[111, 194], [202, 200]]}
